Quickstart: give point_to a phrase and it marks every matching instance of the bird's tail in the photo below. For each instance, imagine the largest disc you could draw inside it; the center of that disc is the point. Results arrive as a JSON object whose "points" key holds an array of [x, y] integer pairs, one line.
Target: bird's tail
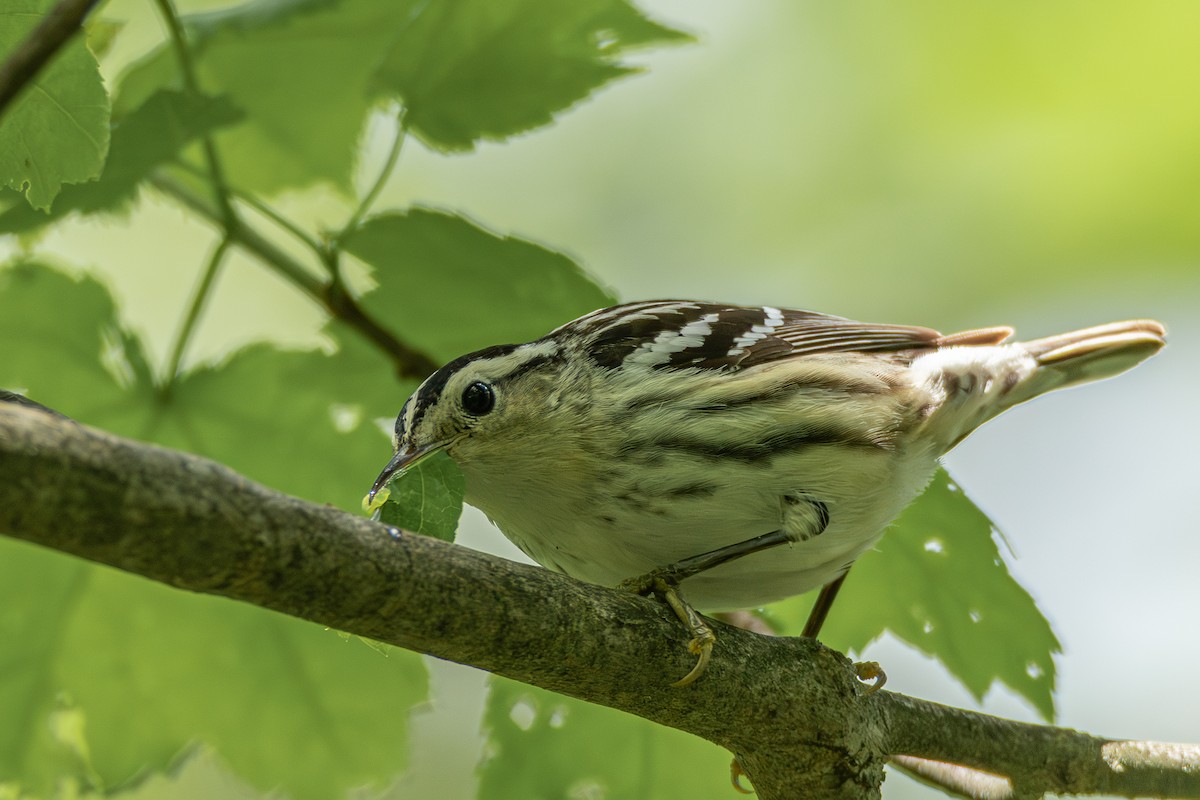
{"points": [[978, 374], [1088, 355]]}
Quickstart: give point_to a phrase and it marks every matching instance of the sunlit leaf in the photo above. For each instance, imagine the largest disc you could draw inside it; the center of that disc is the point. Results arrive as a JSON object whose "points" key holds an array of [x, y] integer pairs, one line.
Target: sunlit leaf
{"points": [[56, 131], [465, 71], [153, 134], [300, 69], [487, 69], [450, 286]]}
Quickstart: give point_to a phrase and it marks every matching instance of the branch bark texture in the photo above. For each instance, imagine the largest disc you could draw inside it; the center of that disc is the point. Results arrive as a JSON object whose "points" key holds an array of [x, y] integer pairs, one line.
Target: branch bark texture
{"points": [[791, 709]]}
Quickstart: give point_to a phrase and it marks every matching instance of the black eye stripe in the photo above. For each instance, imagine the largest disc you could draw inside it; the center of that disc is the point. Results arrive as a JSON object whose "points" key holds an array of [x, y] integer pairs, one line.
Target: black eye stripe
{"points": [[430, 392]]}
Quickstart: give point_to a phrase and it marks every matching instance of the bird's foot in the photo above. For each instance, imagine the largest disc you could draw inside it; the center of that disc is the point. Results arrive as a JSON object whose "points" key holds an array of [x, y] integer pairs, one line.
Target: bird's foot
{"points": [[703, 638], [736, 773], [871, 673]]}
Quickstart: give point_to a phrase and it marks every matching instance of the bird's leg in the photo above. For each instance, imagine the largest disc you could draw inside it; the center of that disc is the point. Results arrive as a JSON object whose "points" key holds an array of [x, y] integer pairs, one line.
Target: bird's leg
{"points": [[664, 582], [868, 671], [820, 609], [694, 565], [703, 638]]}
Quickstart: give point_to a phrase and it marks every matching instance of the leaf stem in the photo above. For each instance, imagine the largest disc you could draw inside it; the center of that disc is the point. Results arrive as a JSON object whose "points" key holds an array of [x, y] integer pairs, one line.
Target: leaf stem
{"points": [[264, 209], [187, 69], [331, 252], [372, 194], [409, 361], [199, 297]]}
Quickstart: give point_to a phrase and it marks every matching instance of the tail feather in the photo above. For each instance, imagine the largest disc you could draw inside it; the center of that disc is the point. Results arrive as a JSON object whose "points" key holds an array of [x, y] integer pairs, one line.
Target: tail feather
{"points": [[976, 375], [1090, 354]]}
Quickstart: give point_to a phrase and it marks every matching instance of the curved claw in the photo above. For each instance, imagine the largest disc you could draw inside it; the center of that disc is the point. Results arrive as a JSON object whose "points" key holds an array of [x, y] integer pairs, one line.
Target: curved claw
{"points": [[870, 672], [736, 773], [701, 646]]}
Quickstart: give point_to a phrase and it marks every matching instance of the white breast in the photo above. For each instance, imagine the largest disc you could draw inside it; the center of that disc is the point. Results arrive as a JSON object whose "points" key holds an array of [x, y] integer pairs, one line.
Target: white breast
{"points": [[606, 545]]}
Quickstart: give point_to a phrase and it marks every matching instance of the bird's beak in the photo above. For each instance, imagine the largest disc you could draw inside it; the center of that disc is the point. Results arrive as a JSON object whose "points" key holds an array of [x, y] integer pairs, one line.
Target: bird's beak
{"points": [[405, 459]]}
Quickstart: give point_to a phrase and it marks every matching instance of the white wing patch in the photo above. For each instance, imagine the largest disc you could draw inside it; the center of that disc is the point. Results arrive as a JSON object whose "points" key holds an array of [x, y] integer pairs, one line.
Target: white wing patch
{"points": [[666, 344]]}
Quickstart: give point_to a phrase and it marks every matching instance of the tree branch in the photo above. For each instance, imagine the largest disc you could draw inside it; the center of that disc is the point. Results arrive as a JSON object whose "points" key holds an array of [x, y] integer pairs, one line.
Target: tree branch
{"points": [[790, 709], [22, 67]]}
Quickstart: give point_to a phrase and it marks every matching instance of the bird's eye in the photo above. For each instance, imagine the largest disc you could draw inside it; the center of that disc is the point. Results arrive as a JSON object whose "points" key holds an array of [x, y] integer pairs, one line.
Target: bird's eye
{"points": [[478, 398]]}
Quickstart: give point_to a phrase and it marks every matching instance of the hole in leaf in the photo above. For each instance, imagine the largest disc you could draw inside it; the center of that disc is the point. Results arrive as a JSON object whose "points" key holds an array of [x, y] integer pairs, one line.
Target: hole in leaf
{"points": [[974, 615], [927, 627], [1034, 670], [523, 714], [933, 546], [606, 38], [346, 417], [587, 789]]}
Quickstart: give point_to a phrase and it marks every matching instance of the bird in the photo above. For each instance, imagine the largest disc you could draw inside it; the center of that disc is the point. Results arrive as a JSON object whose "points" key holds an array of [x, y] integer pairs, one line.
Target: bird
{"points": [[733, 455]]}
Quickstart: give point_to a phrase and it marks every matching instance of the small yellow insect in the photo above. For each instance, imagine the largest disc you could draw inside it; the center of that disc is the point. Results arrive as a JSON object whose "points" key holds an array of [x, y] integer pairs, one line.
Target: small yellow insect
{"points": [[372, 504]]}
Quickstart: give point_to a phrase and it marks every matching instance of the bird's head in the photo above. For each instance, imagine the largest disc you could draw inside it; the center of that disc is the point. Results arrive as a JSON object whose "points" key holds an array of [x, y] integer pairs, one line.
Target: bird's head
{"points": [[478, 405]]}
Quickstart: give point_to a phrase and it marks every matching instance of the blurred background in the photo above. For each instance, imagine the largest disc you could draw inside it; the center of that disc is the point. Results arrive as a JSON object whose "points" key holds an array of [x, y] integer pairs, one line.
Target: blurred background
{"points": [[1034, 164]]}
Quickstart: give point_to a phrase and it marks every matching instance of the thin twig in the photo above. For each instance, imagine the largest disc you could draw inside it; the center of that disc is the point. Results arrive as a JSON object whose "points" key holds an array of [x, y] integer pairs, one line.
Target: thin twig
{"points": [[263, 208], [409, 361], [381, 180], [1066, 762], [22, 67], [331, 254], [187, 69], [199, 297]]}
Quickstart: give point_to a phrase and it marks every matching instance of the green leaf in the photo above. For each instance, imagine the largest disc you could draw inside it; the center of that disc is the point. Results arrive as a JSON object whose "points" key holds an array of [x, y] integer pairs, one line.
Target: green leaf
{"points": [[64, 346], [145, 139], [300, 69], [474, 288], [307, 73], [488, 69], [56, 131], [152, 669], [284, 702], [428, 499], [937, 581], [543, 746], [318, 418]]}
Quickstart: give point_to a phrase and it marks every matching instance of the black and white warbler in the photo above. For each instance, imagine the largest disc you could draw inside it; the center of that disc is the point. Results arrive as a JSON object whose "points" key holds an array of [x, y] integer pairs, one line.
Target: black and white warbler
{"points": [[754, 451]]}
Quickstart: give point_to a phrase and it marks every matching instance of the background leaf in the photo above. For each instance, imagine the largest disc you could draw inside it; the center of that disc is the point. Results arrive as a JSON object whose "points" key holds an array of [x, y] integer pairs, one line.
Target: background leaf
{"points": [[151, 669], [937, 581], [477, 288], [301, 71], [56, 131], [543, 746], [465, 71], [488, 69], [285, 702], [151, 135]]}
